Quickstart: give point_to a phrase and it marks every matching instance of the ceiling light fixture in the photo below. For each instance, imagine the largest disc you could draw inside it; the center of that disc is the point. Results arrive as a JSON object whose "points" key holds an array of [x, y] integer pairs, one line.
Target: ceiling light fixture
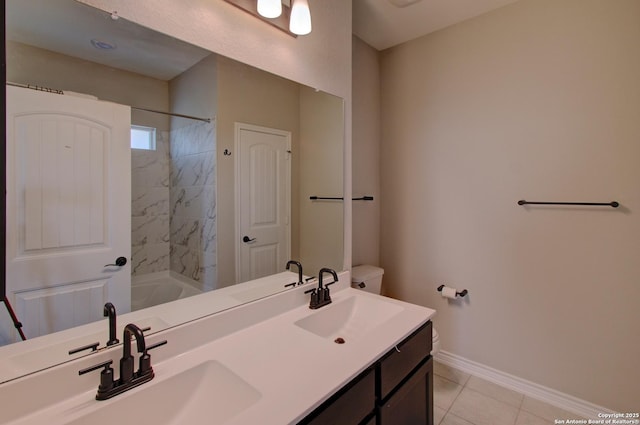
{"points": [[290, 16], [270, 8], [300, 22]]}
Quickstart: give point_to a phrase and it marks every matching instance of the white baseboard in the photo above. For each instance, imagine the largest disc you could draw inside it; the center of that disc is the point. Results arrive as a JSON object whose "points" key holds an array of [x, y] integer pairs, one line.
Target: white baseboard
{"points": [[564, 401]]}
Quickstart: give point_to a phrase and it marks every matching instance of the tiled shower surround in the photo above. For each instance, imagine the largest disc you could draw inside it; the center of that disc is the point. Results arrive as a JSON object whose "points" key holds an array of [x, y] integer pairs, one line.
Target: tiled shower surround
{"points": [[174, 205], [150, 207], [193, 203]]}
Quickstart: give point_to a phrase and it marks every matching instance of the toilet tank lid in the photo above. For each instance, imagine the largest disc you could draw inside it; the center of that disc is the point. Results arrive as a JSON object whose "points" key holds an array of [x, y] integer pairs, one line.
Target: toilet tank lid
{"points": [[365, 272]]}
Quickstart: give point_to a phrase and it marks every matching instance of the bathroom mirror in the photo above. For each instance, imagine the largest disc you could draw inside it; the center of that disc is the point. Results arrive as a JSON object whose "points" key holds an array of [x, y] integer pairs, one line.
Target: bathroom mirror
{"points": [[188, 178]]}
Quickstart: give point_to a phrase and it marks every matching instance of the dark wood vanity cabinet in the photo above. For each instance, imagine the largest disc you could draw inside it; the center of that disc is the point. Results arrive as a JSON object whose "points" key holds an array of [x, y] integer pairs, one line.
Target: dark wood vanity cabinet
{"points": [[396, 390]]}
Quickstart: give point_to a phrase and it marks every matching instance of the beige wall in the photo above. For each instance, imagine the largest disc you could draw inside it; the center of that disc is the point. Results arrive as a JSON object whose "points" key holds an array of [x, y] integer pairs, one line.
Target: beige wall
{"points": [[32, 65], [321, 59], [366, 153], [321, 174], [538, 100], [195, 92], [251, 96]]}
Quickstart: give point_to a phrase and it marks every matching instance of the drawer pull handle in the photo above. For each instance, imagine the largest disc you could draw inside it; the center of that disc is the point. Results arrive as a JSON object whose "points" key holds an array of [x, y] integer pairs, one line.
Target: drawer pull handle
{"points": [[397, 349]]}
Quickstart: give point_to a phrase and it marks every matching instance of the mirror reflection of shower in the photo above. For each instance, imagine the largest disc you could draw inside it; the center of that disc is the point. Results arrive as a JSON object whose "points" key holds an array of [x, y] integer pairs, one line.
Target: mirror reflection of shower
{"points": [[173, 226]]}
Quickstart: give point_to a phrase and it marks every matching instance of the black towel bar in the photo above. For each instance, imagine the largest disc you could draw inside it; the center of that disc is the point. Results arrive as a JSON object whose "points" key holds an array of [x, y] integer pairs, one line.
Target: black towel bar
{"points": [[321, 198], [612, 204]]}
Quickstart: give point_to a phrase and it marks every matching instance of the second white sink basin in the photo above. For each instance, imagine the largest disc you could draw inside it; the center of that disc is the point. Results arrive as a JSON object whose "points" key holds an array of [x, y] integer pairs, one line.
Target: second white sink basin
{"points": [[208, 393], [349, 318]]}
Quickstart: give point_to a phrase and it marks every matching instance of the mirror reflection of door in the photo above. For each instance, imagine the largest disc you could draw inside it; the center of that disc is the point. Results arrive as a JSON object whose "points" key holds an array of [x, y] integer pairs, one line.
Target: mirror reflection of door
{"points": [[68, 209], [263, 199]]}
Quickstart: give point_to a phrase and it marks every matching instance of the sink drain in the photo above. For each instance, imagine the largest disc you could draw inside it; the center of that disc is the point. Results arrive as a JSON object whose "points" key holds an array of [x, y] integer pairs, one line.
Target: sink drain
{"points": [[339, 340]]}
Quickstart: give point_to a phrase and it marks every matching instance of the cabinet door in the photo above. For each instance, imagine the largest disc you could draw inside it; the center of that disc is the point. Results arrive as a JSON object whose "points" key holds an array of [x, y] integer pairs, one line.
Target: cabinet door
{"points": [[397, 364], [349, 406], [412, 403]]}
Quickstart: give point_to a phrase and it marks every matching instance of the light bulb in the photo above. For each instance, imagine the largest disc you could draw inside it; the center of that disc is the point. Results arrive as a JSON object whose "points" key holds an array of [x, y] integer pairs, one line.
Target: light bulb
{"points": [[270, 8], [300, 22]]}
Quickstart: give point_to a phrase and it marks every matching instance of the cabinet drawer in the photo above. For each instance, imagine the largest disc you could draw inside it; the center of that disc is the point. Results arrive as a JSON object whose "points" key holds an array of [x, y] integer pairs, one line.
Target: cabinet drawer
{"points": [[397, 364], [349, 406]]}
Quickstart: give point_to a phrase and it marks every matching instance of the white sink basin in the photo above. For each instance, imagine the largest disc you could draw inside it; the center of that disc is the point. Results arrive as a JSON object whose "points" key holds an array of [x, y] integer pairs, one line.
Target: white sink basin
{"points": [[349, 318], [208, 393]]}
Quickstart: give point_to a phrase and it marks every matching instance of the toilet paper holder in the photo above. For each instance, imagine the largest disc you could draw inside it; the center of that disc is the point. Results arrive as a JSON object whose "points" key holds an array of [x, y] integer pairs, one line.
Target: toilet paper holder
{"points": [[462, 293]]}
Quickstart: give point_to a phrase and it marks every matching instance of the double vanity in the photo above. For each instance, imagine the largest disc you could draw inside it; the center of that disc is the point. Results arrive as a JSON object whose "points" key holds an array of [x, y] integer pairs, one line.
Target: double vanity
{"points": [[360, 359]]}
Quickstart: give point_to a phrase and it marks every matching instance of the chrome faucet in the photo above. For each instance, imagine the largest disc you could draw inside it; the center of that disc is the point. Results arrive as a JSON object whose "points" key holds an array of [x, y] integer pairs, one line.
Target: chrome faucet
{"points": [[297, 264], [109, 387], [320, 296], [110, 312]]}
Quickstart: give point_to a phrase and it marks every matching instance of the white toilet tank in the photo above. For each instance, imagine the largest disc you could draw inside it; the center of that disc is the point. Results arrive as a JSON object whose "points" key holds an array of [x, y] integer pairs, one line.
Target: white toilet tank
{"points": [[368, 278]]}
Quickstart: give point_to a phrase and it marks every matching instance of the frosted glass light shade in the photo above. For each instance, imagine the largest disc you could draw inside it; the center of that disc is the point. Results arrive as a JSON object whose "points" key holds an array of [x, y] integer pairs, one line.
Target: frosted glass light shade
{"points": [[270, 8], [300, 22]]}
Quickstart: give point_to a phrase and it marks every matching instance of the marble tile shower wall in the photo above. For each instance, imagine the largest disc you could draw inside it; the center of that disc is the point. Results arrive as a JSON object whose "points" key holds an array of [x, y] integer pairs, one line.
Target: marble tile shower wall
{"points": [[193, 203], [150, 207]]}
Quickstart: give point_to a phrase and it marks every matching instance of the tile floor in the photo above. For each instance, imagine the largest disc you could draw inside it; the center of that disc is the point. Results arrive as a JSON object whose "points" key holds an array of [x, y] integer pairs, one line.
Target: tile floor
{"points": [[463, 399]]}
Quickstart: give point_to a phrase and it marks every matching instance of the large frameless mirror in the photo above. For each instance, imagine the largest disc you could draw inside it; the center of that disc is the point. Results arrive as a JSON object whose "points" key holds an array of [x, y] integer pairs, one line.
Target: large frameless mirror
{"points": [[142, 170]]}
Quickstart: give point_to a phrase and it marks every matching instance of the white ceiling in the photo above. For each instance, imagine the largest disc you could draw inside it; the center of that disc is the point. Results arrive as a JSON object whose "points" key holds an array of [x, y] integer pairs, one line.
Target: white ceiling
{"points": [[382, 25], [67, 27]]}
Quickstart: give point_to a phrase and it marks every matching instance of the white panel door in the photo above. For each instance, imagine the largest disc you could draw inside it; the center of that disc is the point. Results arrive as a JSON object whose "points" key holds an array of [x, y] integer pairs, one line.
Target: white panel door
{"points": [[68, 209], [263, 201]]}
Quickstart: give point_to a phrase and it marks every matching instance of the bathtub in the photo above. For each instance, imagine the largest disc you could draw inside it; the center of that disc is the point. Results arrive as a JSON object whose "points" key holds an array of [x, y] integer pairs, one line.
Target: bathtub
{"points": [[158, 288]]}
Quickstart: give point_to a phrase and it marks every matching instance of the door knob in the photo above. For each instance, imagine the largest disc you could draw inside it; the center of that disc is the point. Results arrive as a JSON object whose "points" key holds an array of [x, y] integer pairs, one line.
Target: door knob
{"points": [[120, 261], [247, 239]]}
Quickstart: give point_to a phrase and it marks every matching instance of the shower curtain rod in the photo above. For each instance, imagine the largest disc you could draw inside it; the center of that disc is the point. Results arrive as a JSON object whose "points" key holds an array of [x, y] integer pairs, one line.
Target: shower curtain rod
{"points": [[50, 90], [172, 114]]}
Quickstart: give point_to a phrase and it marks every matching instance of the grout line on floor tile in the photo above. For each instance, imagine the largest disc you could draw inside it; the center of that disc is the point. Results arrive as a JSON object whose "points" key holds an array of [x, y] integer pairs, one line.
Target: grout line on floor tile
{"points": [[456, 397], [519, 408]]}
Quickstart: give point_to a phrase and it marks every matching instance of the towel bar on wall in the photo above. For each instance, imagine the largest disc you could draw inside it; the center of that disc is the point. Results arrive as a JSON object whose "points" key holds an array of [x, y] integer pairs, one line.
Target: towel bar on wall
{"points": [[612, 204], [321, 198]]}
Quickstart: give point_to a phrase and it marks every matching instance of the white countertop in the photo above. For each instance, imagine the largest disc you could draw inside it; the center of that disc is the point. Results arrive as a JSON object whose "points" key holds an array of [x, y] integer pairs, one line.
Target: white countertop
{"points": [[293, 369], [296, 370]]}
